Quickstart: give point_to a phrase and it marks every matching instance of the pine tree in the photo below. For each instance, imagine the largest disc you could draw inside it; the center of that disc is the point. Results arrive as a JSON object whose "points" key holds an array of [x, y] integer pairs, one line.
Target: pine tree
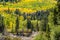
{"points": [[25, 16], [17, 12], [58, 18], [55, 16], [29, 25], [57, 13], [17, 25], [2, 25]]}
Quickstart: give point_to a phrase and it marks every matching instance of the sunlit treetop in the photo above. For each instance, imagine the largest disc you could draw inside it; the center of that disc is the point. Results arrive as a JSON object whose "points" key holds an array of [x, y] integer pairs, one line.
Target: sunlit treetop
{"points": [[32, 5]]}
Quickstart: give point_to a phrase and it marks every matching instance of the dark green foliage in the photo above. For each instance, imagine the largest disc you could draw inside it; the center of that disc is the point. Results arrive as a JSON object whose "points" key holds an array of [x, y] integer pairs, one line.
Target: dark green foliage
{"points": [[17, 12], [58, 19], [29, 25], [10, 1], [43, 15], [1, 0], [17, 25], [2, 26], [25, 16], [33, 16], [6, 0], [57, 36], [55, 16], [38, 15]]}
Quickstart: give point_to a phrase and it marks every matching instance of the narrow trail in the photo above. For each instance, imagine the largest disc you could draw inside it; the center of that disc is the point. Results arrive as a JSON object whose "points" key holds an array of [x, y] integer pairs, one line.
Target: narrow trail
{"points": [[30, 37]]}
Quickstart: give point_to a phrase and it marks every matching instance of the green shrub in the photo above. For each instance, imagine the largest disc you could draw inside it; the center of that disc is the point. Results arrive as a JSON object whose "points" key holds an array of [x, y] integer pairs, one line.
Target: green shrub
{"points": [[41, 36], [55, 33]]}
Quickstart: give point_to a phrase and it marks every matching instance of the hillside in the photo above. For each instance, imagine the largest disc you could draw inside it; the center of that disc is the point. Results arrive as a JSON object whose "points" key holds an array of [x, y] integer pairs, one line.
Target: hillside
{"points": [[29, 19], [31, 5]]}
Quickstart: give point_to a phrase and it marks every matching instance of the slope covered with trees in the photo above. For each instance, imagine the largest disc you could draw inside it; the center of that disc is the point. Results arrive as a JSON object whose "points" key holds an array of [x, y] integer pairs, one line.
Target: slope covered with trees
{"points": [[23, 17]]}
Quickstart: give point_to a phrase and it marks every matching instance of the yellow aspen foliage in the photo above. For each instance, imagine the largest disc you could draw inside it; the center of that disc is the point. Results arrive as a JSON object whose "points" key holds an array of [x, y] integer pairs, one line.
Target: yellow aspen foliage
{"points": [[12, 9], [40, 0], [43, 8], [26, 10], [21, 18], [9, 28], [28, 17], [29, 0]]}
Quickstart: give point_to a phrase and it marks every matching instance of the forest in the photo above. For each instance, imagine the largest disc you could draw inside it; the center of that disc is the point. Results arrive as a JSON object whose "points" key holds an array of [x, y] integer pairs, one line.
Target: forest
{"points": [[29, 19]]}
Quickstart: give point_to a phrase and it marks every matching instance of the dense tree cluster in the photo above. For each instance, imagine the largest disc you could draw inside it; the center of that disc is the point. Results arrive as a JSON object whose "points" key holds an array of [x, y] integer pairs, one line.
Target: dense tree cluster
{"points": [[2, 25], [39, 16], [22, 21], [57, 14], [10, 1]]}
